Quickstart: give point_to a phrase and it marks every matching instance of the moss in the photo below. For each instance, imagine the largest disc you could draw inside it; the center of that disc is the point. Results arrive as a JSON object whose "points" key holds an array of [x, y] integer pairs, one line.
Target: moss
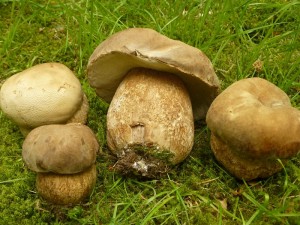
{"points": [[233, 34]]}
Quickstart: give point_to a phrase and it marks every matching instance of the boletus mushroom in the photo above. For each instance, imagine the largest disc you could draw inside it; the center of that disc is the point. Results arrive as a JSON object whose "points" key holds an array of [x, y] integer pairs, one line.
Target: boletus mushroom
{"points": [[64, 158], [253, 126], [156, 87], [47, 93]]}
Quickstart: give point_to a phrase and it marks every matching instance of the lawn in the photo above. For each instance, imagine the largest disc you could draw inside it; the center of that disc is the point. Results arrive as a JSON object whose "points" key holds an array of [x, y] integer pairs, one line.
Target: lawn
{"points": [[235, 35]]}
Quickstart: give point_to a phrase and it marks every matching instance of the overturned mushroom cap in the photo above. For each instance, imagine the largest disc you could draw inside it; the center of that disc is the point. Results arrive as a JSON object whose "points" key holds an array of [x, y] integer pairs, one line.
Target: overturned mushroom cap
{"points": [[66, 189], [43, 94], [142, 47], [253, 121], [63, 149]]}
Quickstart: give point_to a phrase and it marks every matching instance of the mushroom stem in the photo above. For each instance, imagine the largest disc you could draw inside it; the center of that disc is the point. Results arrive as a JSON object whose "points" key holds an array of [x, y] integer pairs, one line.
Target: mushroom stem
{"points": [[150, 117], [66, 189], [241, 165]]}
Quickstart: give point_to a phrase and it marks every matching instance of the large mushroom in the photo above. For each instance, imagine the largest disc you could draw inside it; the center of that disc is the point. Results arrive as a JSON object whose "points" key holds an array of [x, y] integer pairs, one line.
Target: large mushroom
{"points": [[157, 87], [253, 126], [64, 158], [47, 93]]}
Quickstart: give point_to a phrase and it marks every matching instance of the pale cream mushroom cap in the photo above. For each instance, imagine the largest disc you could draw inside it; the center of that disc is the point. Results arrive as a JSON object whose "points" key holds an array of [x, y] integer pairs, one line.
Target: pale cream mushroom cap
{"points": [[253, 120], [82, 113], [143, 47], [60, 148], [43, 94]]}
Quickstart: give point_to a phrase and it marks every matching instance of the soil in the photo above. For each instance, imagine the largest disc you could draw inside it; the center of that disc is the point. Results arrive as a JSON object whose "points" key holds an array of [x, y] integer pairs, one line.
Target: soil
{"points": [[143, 161]]}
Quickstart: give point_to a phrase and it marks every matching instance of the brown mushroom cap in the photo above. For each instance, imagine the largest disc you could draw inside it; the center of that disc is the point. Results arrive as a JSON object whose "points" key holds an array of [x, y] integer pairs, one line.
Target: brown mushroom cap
{"points": [[66, 189], [142, 47], [254, 119], [47, 93], [63, 149]]}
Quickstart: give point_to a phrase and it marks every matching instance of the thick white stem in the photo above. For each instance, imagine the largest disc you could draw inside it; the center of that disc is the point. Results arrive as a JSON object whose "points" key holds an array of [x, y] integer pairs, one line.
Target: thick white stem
{"points": [[151, 108]]}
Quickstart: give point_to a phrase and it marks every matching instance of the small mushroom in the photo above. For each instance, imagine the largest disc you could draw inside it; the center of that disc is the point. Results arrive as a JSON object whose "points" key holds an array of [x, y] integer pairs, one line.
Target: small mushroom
{"points": [[47, 93], [156, 86], [253, 125], [64, 158]]}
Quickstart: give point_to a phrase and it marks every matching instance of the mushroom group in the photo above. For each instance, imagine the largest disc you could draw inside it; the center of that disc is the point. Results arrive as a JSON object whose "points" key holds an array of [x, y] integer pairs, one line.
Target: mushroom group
{"points": [[253, 127], [64, 158], [47, 93], [156, 87]]}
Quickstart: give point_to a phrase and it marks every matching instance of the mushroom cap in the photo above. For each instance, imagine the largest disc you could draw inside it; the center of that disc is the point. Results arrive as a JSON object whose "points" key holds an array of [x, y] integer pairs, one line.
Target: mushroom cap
{"points": [[255, 119], [63, 149], [80, 116], [43, 94], [66, 189], [143, 47]]}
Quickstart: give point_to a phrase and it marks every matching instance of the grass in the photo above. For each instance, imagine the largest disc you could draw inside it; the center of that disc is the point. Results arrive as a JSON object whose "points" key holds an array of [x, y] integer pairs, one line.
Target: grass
{"points": [[234, 34]]}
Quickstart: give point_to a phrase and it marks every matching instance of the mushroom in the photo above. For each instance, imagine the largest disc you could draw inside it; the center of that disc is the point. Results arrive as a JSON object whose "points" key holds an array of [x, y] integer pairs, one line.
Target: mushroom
{"points": [[64, 158], [253, 127], [47, 93], [156, 87]]}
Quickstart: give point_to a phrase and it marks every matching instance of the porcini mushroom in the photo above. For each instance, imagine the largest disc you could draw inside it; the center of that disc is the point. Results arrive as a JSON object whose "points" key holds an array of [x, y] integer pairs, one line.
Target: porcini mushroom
{"points": [[64, 157], [156, 86], [47, 93], [253, 126]]}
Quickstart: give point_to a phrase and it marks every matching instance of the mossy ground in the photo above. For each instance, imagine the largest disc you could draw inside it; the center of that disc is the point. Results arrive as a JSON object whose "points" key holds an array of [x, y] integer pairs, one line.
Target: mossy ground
{"points": [[234, 35]]}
